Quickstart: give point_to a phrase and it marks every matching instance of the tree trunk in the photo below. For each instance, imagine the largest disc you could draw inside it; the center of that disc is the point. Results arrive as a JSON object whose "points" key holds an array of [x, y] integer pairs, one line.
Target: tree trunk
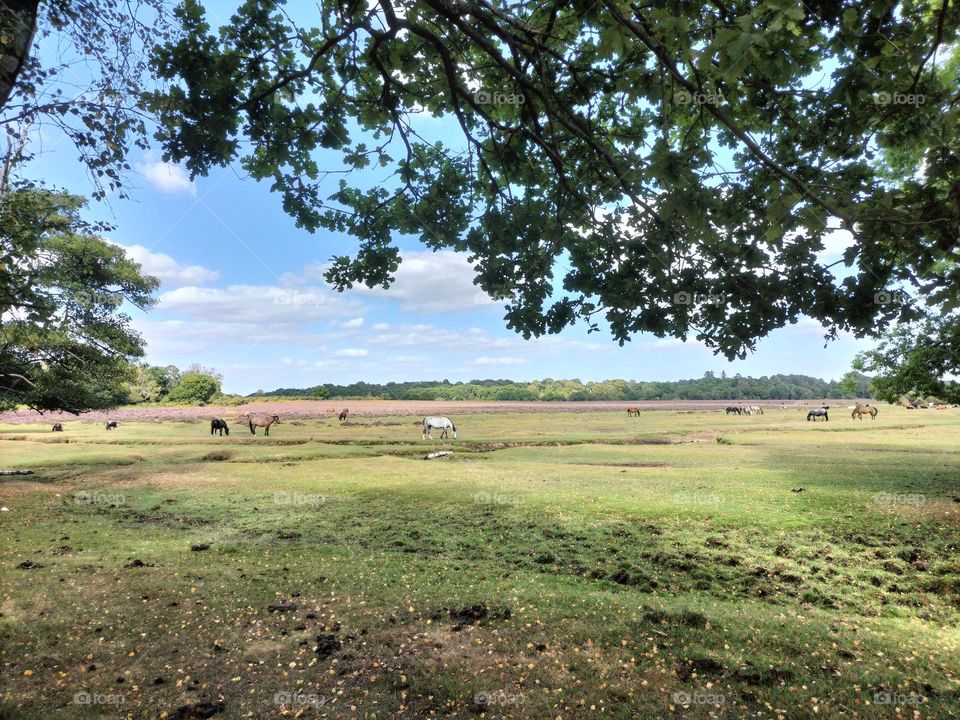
{"points": [[18, 21]]}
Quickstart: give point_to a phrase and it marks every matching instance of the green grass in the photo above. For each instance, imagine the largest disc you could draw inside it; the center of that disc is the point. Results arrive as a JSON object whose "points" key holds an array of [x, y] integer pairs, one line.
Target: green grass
{"points": [[620, 561]]}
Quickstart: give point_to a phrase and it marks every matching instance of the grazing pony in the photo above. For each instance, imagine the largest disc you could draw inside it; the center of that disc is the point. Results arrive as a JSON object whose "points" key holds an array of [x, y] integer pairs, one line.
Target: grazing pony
{"points": [[218, 424], [111, 425], [818, 412], [633, 411], [860, 410], [732, 409], [343, 415], [432, 422], [57, 427], [264, 421], [753, 410]]}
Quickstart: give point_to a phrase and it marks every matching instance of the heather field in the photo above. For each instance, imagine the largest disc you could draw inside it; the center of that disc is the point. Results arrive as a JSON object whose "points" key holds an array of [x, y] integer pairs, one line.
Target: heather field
{"points": [[564, 561]]}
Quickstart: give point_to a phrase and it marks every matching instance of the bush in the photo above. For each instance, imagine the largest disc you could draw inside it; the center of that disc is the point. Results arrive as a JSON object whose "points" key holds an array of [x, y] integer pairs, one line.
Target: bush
{"points": [[195, 388]]}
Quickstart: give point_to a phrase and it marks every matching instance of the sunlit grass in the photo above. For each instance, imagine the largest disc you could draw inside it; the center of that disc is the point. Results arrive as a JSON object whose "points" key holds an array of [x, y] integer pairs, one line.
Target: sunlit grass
{"points": [[788, 569]]}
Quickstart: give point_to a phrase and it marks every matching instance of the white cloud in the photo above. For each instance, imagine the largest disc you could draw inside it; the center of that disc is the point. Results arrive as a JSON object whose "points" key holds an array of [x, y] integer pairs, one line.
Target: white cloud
{"points": [[835, 243], [166, 177], [352, 352], [261, 304], [355, 323], [432, 282], [168, 270], [381, 326], [487, 360]]}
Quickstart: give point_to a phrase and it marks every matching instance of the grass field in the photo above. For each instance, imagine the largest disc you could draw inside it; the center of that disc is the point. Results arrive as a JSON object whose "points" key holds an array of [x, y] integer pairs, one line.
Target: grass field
{"points": [[683, 564]]}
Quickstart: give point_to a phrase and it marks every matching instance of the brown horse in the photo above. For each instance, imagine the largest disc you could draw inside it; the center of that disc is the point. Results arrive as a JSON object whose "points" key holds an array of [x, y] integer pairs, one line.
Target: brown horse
{"points": [[343, 415], [57, 427], [860, 410], [264, 421], [633, 411]]}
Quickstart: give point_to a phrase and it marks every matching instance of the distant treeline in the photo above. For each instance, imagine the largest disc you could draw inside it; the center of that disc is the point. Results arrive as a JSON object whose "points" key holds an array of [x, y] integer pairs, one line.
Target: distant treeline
{"points": [[709, 387]]}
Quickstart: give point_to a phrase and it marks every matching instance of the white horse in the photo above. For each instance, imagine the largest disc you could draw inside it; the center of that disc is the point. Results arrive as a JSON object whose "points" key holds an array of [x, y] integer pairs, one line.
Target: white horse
{"points": [[436, 422], [753, 410]]}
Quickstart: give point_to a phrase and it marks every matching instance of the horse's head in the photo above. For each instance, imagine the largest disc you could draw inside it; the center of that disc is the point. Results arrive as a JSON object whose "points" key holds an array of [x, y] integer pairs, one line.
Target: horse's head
{"points": [[276, 419]]}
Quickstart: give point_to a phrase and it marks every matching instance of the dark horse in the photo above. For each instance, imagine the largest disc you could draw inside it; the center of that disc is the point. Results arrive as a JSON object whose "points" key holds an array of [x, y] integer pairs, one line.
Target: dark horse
{"points": [[218, 424], [264, 421], [733, 409], [57, 427], [819, 412], [111, 425], [343, 415], [633, 411]]}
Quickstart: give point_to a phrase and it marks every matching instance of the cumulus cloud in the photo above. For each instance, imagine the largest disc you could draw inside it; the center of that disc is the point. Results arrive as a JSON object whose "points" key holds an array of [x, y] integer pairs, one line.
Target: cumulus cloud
{"points": [[432, 282], [352, 352], [166, 177], [257, 304], [168, 270], [488, 360], [354, 323]]}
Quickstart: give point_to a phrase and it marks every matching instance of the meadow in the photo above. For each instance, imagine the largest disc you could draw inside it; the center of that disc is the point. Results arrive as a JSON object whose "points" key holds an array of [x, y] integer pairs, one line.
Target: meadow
{"points": [[683, 564]]}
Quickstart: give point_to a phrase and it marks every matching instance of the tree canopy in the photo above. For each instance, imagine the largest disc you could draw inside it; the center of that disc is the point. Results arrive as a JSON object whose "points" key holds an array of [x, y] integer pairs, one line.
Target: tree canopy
{"points": [[65, 343], [89, 85], [775, 387], [917, 360], [665, 167]]}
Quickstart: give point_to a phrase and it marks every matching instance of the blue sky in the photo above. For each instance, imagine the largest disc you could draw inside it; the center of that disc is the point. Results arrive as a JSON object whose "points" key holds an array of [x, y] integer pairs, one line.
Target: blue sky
{"points": [[242, 292]]}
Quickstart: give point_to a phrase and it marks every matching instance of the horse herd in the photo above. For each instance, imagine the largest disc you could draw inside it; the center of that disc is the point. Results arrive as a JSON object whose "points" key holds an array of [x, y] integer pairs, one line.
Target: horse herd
{"points": [[446, 426], [218, 426], [741, 410]]}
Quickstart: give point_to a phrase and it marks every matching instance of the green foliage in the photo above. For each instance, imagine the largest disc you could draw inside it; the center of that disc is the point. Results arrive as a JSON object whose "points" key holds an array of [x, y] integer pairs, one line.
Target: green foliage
{"points": [[65, 342], [776, 387], [917, 361], [683, 162], [103, 118], [195, 388]]}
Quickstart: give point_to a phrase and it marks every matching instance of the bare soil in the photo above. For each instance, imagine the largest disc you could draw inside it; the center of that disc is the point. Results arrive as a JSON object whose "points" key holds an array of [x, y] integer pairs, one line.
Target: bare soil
{"points": [[305, 409]]}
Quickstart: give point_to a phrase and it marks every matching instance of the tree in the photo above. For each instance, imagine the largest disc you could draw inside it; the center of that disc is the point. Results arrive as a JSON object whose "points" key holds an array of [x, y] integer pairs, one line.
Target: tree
{"points": [[89, 86], [195, 388], [916, 360], [65, 343], [685, 161]]}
